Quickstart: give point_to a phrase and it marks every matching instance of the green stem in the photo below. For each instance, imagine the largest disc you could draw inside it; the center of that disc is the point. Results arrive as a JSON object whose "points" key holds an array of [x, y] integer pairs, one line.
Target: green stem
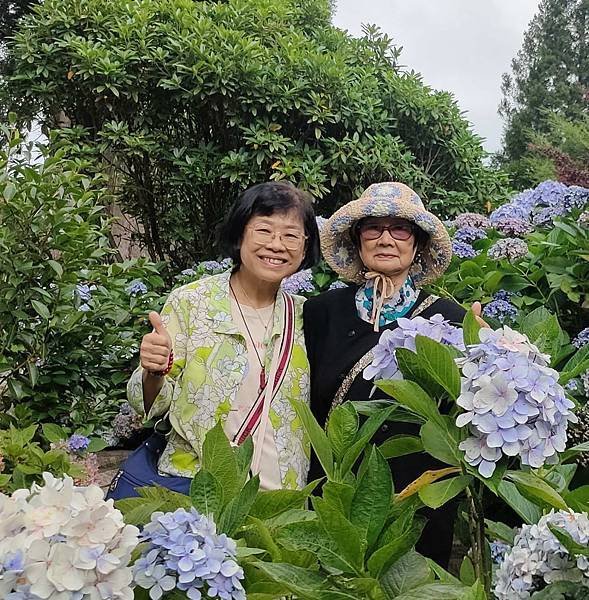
{"points": [[481, 556]]}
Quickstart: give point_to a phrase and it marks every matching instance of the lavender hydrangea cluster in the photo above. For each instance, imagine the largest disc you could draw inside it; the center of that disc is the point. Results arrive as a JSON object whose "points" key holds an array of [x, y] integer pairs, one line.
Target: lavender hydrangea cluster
{"points": [[463, 250], [498, 551], [84, 292], [77, 443], [299, 282], [582, 338], [124, 425], [136, 288], [513, 227], [584, 219], [471, 219], [500, 308], [508, 249], [212, 267], [468, 235], [537, 558], [514, 405], [384, 364], [185, 552], [337, 285]]}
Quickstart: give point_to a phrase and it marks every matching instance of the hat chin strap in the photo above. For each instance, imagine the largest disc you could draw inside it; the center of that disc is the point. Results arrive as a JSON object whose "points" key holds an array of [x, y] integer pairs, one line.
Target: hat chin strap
{"points": [[384, 288]]}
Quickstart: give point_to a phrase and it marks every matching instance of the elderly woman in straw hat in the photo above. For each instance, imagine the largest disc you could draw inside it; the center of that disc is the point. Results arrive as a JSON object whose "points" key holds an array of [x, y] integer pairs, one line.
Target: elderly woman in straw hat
{"points": [[388, 246]]}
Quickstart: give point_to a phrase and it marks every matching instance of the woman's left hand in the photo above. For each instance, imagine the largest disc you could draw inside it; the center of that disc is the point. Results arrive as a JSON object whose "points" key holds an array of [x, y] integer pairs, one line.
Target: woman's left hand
{"points": [[477, 309]]}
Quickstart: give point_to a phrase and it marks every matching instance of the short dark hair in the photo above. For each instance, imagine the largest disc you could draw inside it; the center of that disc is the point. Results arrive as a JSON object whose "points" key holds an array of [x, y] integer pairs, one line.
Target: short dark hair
{"points": [[265, 199]]}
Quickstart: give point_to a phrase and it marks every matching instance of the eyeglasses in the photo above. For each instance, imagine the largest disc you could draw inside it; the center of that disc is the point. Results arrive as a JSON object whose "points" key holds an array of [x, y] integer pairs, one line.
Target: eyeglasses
{"points": [[291, 241], [398, 231]]}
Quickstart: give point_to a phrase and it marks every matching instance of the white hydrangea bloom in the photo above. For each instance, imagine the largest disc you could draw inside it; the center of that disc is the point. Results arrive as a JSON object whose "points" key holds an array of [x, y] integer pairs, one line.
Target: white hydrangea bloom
{"points": [[61, 542]]}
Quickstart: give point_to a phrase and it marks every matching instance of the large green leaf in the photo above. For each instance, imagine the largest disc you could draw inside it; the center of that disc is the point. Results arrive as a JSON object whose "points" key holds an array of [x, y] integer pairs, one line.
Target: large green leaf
{"points": [[533, 487], [317, 436], [574, 548], [577, 364], [413, 370], [342, 427], [339, 495], [350, 539], [437, 591], [438, 493], [527, 510], [412, 396], [401, 445], [243, 458], [470, 328], [578, 499], [206, 494], [441, 439], [234, 514], [218, 458], [138, 511], [270, 503], [410, 571], [439, 362]]}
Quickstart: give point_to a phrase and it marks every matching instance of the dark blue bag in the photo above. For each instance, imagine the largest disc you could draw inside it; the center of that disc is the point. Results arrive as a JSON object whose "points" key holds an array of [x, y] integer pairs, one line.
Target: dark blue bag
{"points": [[140, 470]]}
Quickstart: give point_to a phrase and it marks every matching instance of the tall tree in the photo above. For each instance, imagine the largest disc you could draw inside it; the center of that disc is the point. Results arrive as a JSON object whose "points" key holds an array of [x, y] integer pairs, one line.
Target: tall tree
{"points": [[549, 75], [10, 12]]}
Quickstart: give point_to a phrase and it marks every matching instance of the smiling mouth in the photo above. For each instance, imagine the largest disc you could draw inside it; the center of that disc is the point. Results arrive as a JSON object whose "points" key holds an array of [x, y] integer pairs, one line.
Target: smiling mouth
{"points": [[386, 256], [273, 260]]}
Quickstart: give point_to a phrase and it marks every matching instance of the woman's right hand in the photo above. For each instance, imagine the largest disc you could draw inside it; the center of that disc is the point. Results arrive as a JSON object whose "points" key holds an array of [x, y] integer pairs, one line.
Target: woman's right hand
{"points": [[156, 346]]}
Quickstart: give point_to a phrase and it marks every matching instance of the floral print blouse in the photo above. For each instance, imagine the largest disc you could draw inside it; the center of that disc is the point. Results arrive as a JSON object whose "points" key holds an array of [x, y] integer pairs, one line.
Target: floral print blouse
{"points": [[210, 362]]}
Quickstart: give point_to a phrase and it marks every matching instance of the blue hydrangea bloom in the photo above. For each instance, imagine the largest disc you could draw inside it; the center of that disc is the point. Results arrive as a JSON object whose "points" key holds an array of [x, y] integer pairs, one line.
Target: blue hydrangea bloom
{"points": [[463, 250], [136, 288], [498, 551], [501, 310], [471, 219], [468, 235], [184, 551], [299, 282], [508, 249], [582, 338], [338, 284], [78, 443]]}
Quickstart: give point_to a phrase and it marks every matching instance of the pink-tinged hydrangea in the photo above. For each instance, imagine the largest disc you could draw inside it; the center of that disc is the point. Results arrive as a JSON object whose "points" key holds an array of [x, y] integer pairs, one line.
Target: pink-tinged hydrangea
{"points": [[471, 219], [184, 551], [537, 558], [508, 249], [384, 364], [513, 403], [61, 541]]}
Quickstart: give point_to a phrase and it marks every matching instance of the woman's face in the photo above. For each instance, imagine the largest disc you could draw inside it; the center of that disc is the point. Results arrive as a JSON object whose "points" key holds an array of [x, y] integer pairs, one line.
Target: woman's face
{"points": [[273, 247], [387, 245]]}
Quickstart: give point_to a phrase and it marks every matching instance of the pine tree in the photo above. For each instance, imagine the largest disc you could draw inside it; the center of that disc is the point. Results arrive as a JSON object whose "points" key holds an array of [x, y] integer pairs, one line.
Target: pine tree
{"points": [[549, 75]]}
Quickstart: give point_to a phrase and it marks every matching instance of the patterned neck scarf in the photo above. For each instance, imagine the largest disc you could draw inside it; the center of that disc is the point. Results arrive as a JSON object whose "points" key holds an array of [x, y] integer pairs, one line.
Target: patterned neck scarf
{"points": [[393, 308]]}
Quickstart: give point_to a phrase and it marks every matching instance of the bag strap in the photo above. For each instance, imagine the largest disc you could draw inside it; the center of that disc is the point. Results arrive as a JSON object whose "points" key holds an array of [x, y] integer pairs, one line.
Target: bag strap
{"points": [[367, 358], [277, 375]]}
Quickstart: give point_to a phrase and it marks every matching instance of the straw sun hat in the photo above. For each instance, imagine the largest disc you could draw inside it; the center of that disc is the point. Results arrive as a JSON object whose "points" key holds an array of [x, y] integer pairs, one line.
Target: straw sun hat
{"points": [[389, 199]]}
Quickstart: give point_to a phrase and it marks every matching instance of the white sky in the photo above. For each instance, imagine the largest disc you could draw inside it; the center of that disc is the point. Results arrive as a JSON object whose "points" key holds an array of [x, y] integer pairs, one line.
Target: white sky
{"points": [[462, 46]]}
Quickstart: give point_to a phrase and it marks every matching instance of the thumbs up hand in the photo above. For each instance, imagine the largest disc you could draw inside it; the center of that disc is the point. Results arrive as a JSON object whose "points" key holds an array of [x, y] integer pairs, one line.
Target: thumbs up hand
{"points": [[155, 346]]}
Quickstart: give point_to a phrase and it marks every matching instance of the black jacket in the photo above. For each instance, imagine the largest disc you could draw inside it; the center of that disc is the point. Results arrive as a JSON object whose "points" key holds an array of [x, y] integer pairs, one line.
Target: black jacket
{"points": [[336, 338]]}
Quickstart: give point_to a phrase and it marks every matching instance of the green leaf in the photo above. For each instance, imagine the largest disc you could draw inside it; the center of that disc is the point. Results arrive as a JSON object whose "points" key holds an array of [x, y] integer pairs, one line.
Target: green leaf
{"points": [[41, 309], [243, 458], [528, 511], [271, 503], [467, 574], [410, 395], [9, 191], [350, 540], [218, 458], [575, 450], [470, 328], [372, 500], [316, 435], [532, 486], [413, 370], [54, 433], [437, 591], [410, 571], [236, 511], [342, 427], [441, 441], [438, 361], [400, 445], [438, 493], [577, 364], [339, 496], [138, 511], [96, 444], [578, 499], [573, 547], [499, 531], [56, 267], [206, 494]]}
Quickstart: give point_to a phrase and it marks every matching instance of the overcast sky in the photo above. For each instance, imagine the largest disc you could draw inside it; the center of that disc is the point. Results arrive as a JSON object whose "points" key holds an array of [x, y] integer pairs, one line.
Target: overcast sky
{"points": [[462, 46]]}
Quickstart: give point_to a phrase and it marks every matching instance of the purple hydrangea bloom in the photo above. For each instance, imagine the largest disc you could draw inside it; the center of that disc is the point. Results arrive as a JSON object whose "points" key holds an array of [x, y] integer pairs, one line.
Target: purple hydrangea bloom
{"points": [[582, 338], [463, 250], [514, 405], [384, 364], [299, 282], [498, 551], [503, 295], [501, 310], [188, 273], [513, 227], [78, 443], [469, 235], [508, 249], [185, 552], [573, 386], [84, 291], [136, 288], [338, 284], [210, 266], [471, 219]]}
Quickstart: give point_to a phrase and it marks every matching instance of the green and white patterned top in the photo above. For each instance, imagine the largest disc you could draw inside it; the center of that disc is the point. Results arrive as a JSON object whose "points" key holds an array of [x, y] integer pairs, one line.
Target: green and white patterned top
{"points": [[210, 362]]}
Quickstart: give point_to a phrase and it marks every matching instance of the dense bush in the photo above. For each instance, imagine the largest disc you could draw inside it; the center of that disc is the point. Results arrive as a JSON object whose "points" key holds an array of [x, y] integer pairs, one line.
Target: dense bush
{"points": [[69, 314], [186, 103]]}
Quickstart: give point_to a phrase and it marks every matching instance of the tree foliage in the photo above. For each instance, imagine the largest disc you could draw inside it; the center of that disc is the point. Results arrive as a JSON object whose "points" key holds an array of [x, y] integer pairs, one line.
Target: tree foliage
{"points": [[549, 75], [187, 103], [10, 12]]}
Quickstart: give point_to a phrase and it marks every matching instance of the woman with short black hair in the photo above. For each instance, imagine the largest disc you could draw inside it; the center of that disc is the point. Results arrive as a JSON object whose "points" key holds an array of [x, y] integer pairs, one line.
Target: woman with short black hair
{"points": [[230, 347]]}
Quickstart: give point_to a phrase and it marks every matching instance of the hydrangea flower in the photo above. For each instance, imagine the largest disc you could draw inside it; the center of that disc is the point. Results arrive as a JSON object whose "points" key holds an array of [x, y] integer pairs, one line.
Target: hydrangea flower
{"points": [[582, 338], [84, 291], [124, 425], [513, 227], [184, 551], [508, 249], [513, 403], [500, 308], [188, 273], [463, 250], [61, 541], [584, 218], [338, 284], [384, 364], [585, 382], [78, 443], [498, 551], [572, 385], [468, 235], [537, 558], [471, 219], [299, 282], [136, 288]]}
